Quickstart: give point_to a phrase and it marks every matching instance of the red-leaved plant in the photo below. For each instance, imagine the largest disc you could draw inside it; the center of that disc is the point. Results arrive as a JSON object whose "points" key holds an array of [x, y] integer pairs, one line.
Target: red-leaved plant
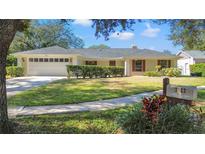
{"points": [[152, 106]]}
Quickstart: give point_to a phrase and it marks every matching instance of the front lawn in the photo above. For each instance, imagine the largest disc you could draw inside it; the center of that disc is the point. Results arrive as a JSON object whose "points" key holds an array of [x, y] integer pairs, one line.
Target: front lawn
{"points": [[201, 100], [79, 90], [102, 122]]}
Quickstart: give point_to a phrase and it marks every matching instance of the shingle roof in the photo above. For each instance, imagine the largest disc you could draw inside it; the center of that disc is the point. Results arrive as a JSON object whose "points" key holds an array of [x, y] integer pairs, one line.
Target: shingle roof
{"points": [[102, 53], [197, 54], [47, 50]]}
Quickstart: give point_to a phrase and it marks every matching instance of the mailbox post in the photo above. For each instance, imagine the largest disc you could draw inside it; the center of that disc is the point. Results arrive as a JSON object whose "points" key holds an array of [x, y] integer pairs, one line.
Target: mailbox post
{"points": [[165, 83]]}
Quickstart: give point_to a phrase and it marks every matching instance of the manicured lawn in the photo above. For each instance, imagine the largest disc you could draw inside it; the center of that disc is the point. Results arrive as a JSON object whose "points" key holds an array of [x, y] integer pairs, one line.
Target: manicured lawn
{"points": [[201, 100], [79, 123], [76, 91], [102, 122]]}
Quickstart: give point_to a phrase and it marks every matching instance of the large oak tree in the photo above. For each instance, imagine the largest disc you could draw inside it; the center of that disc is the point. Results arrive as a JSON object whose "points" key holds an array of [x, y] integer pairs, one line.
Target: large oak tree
{"points": [[8, 29], [189, 33], [46, 33]]}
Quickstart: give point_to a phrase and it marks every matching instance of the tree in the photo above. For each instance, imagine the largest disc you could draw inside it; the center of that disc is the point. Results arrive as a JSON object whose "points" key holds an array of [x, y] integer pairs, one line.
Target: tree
{"points": [[45, 34], [189, 33], [105, 27], [100, 46], [8, 29]]}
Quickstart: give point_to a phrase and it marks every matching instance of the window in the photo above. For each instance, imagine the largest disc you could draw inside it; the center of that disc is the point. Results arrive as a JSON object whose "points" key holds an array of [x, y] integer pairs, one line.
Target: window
{"points": [[50, 59], [40, 59], [61, 60], [35, 59], [45, 59], [56, 59], [71, 60], [112, 63], [30, 59], [164, 63], [66, 59], [138, 65], [91, 62]]}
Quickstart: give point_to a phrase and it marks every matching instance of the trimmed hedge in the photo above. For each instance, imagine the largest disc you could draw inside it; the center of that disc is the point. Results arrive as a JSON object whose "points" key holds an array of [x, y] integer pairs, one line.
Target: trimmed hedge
{"points": [[198, 69], [14, 71], [92, 71]]}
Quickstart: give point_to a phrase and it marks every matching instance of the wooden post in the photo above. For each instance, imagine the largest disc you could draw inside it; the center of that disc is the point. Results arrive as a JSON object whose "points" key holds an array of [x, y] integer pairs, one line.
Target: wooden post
{"points": [[165, 83]]}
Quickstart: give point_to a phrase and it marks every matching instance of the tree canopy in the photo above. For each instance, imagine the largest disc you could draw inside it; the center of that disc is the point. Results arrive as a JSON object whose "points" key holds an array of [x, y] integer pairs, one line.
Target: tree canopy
{"points": [[189, 33], [100, 46], [105, 27], [44, 34]]}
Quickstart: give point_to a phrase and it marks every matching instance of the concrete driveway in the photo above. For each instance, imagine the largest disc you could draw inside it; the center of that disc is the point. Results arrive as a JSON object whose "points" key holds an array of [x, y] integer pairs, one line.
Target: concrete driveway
{"points": [[17, 85]]}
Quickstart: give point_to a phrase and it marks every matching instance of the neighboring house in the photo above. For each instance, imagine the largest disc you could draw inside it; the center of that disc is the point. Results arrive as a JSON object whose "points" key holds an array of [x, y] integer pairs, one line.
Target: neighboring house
{"points": [[52, 60], [189, 58]]}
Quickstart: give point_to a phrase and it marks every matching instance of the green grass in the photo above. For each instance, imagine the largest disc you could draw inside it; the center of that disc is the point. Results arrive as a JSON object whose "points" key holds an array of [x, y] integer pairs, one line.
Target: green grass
{"points": [[77, 91], [201, 100], [102, 122]]}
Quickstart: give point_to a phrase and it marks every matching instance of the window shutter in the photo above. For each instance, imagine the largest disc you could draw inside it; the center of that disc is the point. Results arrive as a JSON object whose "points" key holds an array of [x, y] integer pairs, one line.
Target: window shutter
{"points": [[143, 65], [133, 65], [158, 62], [169, 63]]}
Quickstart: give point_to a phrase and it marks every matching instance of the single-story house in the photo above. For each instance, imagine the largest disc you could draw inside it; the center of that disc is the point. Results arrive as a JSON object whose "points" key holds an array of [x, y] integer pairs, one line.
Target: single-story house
{"points": [[53, 60], [189, 58]]}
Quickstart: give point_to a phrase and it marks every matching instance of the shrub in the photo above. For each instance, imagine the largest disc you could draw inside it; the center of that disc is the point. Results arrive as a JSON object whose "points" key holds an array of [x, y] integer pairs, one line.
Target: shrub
{"points": [[11, 60], [171, 72], [152, 73], [14, 71], [159, 117], [152, 106], [198, 69], [164, 72], [91, 71]]}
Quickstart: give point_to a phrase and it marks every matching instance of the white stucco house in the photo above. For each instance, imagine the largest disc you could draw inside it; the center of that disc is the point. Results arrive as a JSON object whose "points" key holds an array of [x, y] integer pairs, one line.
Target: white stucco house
{"points": [[189, 58], [53, 60]]}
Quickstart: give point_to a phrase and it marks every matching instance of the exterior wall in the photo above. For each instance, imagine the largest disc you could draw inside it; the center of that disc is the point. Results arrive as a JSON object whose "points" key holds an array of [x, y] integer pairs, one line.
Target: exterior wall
{"points": [[184, 65], [32, 68], [103, 62], [150, 65], [79, 60]]}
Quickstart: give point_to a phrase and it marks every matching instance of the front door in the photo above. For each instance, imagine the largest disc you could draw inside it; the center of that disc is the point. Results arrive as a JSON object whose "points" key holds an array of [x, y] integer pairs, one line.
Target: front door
{"points": [[186, 70]]}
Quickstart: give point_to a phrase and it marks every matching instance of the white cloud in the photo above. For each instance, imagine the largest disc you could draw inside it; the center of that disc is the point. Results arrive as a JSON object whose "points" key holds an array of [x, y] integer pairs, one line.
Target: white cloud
{"points": [[149, 31], [151, 48], [83, 22], [122, 35]]}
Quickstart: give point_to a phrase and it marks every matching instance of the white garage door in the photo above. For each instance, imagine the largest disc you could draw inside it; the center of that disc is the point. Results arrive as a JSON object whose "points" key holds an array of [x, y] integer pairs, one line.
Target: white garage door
{"points": [[48, 66]]}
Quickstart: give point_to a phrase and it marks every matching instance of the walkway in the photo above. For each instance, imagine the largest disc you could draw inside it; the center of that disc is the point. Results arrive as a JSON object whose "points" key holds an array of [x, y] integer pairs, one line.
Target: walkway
{"points": [[87, 106]]}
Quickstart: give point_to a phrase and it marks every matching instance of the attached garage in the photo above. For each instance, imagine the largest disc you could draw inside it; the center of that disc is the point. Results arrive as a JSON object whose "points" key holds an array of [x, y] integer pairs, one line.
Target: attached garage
{"points": [[48, 66]]}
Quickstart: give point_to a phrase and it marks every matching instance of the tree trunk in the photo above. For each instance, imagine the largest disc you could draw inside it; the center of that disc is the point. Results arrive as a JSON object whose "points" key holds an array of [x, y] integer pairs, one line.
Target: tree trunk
{"points": [[8, 29]]}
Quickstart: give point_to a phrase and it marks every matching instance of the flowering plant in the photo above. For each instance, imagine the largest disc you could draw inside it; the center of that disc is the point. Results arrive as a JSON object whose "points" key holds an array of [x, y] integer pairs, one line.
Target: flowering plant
{"points": [[152, 106]]}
